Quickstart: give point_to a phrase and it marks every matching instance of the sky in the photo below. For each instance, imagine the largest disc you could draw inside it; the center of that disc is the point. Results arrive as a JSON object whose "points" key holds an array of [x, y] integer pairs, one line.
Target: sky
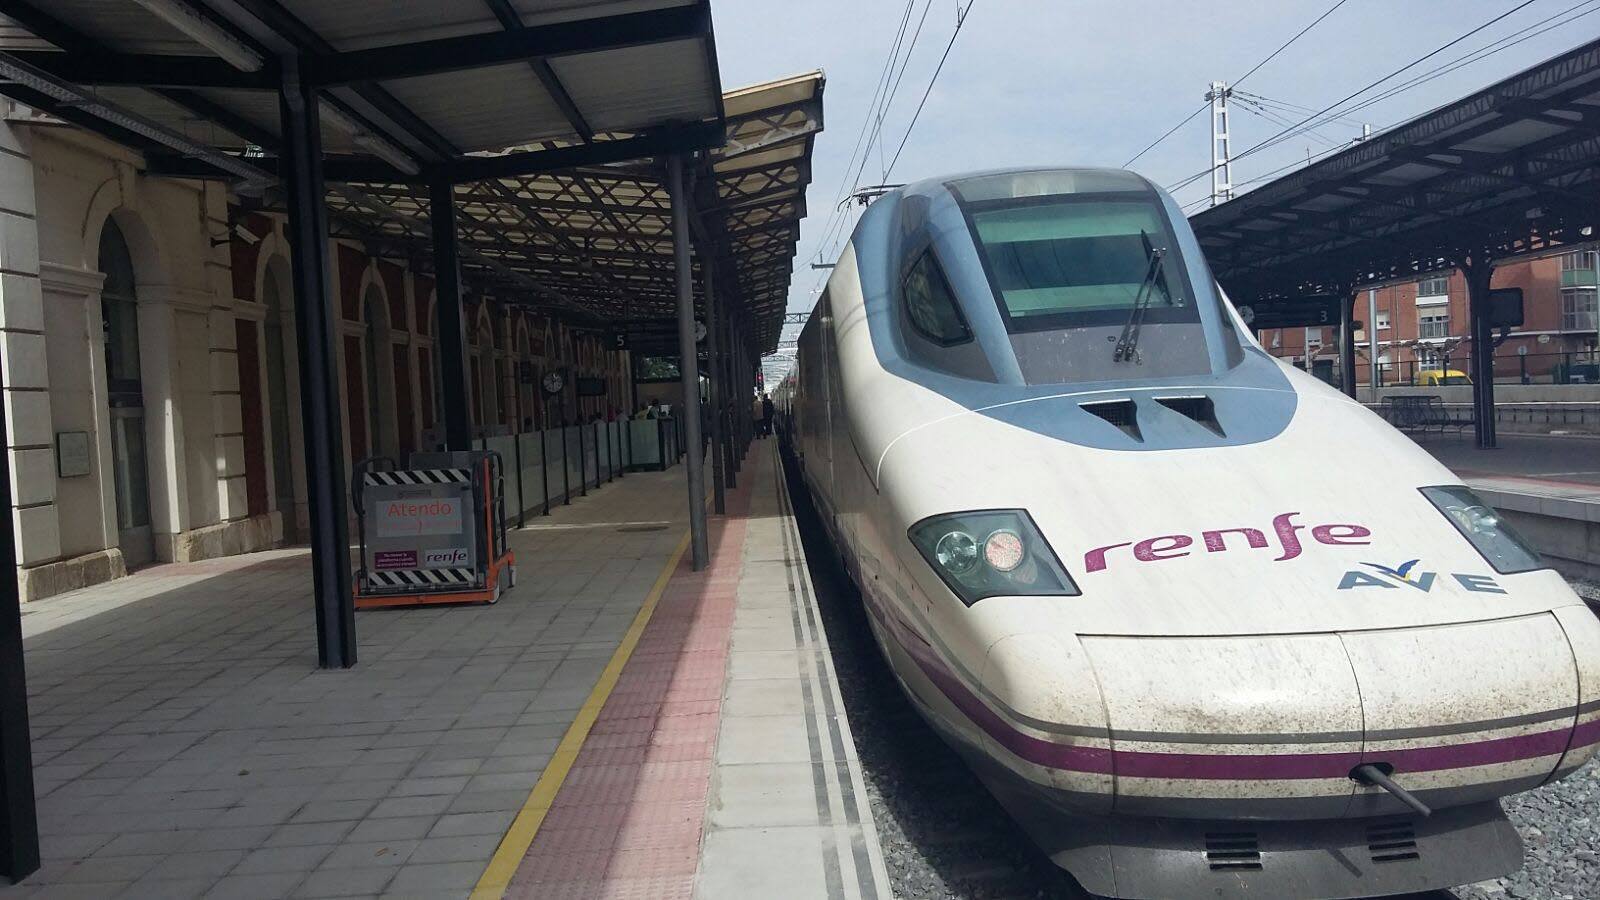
{"points": [[1032, 82]]}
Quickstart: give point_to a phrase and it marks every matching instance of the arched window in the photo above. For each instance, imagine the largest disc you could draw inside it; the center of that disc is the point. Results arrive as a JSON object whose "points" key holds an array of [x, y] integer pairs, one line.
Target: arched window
{"points": [[378, 363], [279, 318], [119, 310]]}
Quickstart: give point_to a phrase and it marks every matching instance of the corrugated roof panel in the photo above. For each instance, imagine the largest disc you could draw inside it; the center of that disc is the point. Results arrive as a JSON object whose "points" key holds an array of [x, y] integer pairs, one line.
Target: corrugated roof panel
{"points": [[641, 87], [1517, 134], [547, 12], [484, 109], [356, 25], [745, 100], [126, 26], [1404, 174]]}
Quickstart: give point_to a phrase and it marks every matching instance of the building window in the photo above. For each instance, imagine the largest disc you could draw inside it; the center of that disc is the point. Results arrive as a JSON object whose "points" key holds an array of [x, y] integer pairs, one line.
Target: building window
{"points": [[1579, 310], [1572, 262], [1433, 287], [1382, 323], [1433, 323]]}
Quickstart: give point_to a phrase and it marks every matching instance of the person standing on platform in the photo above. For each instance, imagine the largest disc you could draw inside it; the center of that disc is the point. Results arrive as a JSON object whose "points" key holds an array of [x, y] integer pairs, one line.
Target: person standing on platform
{"points": [[766, 415], [755, 413]]}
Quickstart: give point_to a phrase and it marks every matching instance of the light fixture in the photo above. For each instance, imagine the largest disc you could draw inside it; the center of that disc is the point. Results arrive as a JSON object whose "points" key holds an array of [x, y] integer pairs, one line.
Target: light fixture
{"points": [[363, 137], [217, 39]]}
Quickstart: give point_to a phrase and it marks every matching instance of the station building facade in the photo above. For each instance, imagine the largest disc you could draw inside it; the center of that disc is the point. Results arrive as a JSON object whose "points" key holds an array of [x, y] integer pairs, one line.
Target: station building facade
{"points": [[150, 375], [1422, 325]]}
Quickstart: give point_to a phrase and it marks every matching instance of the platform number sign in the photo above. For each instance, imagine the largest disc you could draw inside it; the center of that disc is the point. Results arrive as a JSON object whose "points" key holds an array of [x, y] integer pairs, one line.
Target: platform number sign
{"points": [[1308, 311]]}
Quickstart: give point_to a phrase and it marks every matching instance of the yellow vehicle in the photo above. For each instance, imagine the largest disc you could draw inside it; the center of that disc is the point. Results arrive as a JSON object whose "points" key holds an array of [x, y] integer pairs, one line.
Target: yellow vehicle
{"points": [[1436, 377]]}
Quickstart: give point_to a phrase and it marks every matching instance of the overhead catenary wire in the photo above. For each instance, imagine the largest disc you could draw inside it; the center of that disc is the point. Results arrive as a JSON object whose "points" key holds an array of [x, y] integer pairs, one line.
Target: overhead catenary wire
{"points": [[961, 19], [1252, 70], [1287, 133], [867, 120], [1498, 45]]}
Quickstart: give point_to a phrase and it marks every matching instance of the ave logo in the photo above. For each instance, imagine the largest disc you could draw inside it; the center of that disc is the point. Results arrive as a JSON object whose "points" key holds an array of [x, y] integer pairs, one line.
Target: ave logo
{"points": [[1407, 575]]}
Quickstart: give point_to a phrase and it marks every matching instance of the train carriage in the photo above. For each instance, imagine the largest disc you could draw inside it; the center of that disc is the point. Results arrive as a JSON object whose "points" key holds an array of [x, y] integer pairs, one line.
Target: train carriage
{"points": [[1203, 624]]}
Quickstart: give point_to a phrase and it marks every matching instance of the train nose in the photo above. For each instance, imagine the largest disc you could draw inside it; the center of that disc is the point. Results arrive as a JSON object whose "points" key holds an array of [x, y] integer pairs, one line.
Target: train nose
{"points": [[1272, 726]]}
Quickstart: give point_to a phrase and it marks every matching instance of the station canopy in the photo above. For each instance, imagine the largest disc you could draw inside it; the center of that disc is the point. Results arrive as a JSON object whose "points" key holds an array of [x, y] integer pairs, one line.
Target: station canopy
{"points": [[1507, 171], [596, 241], [546, 115]]}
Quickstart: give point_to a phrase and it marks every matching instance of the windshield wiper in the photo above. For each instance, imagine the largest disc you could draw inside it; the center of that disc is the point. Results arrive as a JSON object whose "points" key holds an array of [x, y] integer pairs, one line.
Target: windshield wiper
{"points": [[1128, 342]]}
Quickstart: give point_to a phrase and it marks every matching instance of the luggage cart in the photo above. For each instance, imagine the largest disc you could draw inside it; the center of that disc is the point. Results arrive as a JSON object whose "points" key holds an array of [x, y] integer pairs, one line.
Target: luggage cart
{"points": [[433, 533]]}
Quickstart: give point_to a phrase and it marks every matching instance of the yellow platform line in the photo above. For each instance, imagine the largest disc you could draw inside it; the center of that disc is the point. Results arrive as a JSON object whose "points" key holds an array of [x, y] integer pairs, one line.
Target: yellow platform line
{"points": [[519, 837]]}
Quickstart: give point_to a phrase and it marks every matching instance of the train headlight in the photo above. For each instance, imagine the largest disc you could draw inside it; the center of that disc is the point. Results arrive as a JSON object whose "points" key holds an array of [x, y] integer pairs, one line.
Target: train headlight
{"points": [[1488, 533], [956, 552], [989, 553]]}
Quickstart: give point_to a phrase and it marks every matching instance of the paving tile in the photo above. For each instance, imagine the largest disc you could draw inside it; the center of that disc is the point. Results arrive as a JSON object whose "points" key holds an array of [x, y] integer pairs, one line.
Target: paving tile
{"points": [[170, 889], [456, 849], [377, 853], [309, 833], [436, 879], [255, 887], [763, 739], [282, 859], [332, 811], [211, 864], [765, 794], [346, 882], [392, 829], [412, 806]]}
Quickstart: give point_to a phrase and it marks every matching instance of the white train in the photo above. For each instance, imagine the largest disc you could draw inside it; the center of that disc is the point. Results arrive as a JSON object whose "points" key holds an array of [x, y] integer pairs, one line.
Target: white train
{"points": [[1205, 626]]}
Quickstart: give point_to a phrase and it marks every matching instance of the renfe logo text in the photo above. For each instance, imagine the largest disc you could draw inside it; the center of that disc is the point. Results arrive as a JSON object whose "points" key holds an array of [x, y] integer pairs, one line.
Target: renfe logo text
{"points": [[1172, 546]]}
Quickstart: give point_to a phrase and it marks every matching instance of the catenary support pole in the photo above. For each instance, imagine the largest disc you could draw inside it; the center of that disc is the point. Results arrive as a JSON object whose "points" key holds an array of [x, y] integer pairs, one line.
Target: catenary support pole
{"points": [[719, 389], [1479, 272], [451, 347], [301, 162], [688, 362], [1347, 344], [19, 820]]}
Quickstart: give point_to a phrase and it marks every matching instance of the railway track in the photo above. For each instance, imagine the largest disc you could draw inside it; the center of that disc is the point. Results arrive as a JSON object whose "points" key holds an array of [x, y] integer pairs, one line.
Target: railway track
{"points": [[944, 837]]}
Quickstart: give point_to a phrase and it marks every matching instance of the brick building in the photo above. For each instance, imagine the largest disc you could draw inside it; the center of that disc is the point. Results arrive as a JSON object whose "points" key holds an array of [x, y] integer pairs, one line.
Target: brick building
{"points": [[1420, 324]]}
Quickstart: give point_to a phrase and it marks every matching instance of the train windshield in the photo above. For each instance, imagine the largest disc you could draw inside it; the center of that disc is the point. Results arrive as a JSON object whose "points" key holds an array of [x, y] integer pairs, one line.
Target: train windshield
{"points": [[1089, 280], [1058, 263]]}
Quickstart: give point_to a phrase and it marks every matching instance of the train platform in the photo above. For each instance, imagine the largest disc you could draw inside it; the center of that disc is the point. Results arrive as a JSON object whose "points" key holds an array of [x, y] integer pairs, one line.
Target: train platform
{"points": [[1547, 485], [616, 726]]}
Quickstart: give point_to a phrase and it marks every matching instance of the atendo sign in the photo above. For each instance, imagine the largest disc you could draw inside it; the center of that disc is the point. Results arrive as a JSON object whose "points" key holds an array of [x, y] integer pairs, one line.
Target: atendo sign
{"points": [[433, 515]]}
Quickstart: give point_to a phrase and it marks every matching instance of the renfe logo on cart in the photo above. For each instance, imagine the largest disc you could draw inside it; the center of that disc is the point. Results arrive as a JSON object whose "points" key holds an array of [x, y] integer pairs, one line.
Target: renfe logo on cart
{"points": [[444, 558], [398, 518]]}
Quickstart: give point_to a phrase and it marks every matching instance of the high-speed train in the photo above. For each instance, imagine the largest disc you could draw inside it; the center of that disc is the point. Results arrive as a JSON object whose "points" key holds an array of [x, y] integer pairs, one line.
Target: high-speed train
{"points": [[1204, 625]]}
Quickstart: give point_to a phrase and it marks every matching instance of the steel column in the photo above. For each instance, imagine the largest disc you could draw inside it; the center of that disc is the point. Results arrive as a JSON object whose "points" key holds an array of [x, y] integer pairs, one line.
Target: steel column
{"points": [[688, 363], [19, 820], [1347, 346], [306, 194], [1479, 273], [719, 389], [450, 345], [729, 392]]}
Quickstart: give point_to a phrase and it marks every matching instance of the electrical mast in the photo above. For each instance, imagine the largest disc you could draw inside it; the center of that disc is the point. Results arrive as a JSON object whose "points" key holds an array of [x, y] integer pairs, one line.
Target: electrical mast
{"points": [[1221, 154]]}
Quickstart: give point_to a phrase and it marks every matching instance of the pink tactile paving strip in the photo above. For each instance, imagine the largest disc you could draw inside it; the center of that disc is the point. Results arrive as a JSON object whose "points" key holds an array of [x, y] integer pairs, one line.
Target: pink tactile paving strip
{"points": [[627, 822]]}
